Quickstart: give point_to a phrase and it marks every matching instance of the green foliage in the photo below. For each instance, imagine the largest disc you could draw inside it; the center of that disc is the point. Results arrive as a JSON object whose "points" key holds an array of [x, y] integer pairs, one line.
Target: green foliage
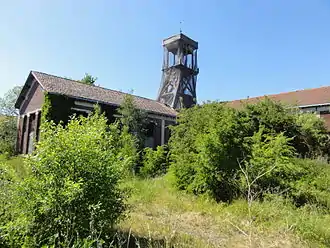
{"points": [[135, 120], [277, 222], [8, 135], [57, 108], [310, 222], [7, 102], [46, 108], [205, 146], [16, 165], [12, 172], [8, 122], [308, 132], [155, 162], [210, 142], [88, 79], [312, 139], [73, 191], [310, 182], [267, 165]]}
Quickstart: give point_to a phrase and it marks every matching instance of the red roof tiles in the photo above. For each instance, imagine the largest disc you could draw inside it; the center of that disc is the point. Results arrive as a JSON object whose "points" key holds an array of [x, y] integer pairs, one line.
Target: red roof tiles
{"points": [[64, 86], [315, 96]]}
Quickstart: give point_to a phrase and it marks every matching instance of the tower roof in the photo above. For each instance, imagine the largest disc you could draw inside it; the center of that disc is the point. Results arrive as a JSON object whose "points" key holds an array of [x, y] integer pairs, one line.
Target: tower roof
{"points": [[180, 37]]}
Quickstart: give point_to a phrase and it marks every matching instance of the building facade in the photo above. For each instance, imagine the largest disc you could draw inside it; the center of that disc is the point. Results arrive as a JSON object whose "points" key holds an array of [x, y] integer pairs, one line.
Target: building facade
{"points": [[316, 100], [68, 97], [177, 90]]}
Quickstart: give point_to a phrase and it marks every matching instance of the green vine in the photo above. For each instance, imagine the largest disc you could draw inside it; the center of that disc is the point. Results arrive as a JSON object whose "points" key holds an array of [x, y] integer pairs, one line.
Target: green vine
{"points": [[46, 109]]}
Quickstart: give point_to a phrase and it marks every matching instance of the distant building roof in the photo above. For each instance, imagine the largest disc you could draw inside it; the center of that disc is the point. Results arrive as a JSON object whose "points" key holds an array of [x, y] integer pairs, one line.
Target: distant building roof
{"points": [[307, 97], [72, 88]]}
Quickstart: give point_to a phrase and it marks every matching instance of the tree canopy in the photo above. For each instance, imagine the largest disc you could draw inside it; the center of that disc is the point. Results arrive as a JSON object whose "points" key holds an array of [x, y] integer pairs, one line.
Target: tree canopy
{"points": [[88, 79], [8, 123], [213, 142], [73, 190], [7, 102], [134, 119]]}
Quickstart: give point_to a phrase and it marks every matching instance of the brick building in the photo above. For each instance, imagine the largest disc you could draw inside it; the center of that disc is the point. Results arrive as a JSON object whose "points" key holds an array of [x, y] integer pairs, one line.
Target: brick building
{"points": [[177, 90], [67, 97], [316, 100], [72, 97]]}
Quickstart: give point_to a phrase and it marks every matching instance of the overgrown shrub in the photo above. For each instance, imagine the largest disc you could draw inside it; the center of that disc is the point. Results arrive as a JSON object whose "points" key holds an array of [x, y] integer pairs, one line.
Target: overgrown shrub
{"points": [[205, 146], [155, 162], [311, 182], [73, 191], [267, 165], [6, 179], [308, 132], [210, 140], [312, 140], [12, 172], [134, 119], [8, 134]]}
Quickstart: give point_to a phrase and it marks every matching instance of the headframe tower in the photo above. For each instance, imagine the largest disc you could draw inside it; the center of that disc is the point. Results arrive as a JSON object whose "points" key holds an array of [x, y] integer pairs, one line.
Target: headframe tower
{"points": [[180, 70]]}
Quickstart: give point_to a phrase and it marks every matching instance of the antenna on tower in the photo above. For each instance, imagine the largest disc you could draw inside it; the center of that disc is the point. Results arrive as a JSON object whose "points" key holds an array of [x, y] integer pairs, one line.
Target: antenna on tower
{"points": [[180, 27]]}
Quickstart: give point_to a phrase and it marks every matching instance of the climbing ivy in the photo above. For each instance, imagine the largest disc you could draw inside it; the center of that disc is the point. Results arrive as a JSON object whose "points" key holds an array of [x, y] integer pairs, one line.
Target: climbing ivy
{"points": [[57, 108]]}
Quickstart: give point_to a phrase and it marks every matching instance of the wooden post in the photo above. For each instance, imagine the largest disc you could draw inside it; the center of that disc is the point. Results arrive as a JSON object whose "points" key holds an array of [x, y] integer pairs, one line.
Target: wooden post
{"points": [[36, 129], [27, 134], [19, 133], [162, 139]]}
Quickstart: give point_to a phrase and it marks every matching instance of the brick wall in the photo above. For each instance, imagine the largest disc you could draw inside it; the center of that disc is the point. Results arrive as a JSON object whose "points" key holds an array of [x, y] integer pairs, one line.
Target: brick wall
{"points": [[34, 99], [326, 117]]}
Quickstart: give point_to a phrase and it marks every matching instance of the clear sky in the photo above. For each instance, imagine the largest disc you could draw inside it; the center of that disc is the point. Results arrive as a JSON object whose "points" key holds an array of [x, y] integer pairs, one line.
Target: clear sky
{"points": [[247, 47]]}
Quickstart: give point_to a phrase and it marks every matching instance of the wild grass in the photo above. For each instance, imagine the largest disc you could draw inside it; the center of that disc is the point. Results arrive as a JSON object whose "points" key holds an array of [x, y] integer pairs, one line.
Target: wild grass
{"points": [[15, 165], [160, 216], [159, 212]]}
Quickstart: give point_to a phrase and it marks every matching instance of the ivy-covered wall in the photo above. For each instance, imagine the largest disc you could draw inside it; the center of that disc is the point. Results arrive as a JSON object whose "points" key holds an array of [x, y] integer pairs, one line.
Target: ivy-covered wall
{"points": [[109, 111], [57, 108]]}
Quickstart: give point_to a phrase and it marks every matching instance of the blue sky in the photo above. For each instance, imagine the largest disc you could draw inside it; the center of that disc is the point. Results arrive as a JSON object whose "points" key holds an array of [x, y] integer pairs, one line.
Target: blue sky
{"points": [[247, 47]]}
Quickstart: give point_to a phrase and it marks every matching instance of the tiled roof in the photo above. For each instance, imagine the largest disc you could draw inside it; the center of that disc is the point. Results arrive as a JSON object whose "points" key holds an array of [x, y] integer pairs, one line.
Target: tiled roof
{"points": [[315, 96], [64, 86]]}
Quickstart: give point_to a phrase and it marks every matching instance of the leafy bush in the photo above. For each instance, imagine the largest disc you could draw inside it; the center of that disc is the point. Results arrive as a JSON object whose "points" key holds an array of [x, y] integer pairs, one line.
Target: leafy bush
{"points": [[311, 182], [73, 190], [308, 132], [211, 139], [205, 146], [135, 120], [8, 134], [267, 165], [154, 161], [312, 140]]}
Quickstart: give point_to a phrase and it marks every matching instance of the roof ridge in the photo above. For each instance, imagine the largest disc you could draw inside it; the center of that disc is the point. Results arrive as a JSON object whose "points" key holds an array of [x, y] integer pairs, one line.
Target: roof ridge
{"points": [[281, 93], [77, 81]]}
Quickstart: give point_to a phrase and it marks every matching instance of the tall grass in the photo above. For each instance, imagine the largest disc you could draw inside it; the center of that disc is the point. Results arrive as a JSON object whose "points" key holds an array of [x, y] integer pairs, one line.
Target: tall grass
{"points": [[160, 216], [15, 165], [159, 211]]}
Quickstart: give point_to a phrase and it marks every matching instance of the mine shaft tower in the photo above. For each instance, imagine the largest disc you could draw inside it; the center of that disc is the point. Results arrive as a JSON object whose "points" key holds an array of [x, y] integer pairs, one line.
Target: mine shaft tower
{"points": [[178, 85]]}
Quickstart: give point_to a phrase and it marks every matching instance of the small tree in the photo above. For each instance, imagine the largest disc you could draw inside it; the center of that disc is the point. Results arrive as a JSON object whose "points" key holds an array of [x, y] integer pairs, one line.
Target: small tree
{"points": [[7, 102], [73, 192], [8, 134], [204, 147], [135, 120], [264, 168], [8, 123], [155, 162], [88, 79], [267, 164], [313, 138]]}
